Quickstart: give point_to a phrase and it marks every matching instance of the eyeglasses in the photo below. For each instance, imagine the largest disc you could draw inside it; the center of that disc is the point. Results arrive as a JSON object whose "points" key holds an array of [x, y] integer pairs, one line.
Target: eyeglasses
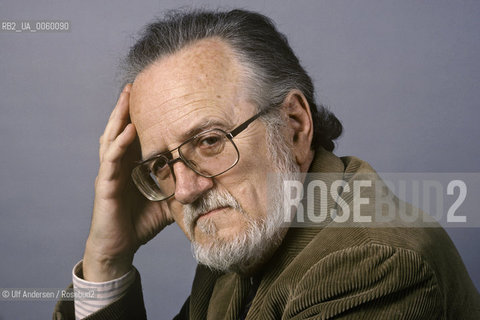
{"points": [[209, 154]]}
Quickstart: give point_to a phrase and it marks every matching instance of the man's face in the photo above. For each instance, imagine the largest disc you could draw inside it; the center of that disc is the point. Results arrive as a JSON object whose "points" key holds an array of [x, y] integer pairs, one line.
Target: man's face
{"points": [[196, 89]]}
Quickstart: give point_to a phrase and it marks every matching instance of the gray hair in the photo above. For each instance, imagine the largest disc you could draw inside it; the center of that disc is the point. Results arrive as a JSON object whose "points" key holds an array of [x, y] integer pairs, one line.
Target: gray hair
{"points": [[273, 69]]}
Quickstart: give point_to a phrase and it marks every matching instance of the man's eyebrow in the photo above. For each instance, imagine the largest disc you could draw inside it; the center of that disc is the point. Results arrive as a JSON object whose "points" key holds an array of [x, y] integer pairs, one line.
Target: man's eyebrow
{"points": [[209, 124]]}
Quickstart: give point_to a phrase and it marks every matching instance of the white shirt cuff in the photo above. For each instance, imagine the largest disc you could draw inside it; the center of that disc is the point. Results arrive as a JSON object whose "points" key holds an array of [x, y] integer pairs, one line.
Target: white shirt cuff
{"points": [[105, 293]]}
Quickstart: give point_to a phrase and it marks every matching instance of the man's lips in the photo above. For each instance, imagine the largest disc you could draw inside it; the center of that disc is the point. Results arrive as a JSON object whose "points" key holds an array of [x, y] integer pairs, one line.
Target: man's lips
{"points": [[211, 212]]}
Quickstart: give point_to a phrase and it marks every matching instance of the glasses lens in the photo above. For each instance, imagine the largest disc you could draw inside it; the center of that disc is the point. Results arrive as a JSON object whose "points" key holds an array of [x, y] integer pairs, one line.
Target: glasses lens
{"points": [[210, 153], [154, 179]]}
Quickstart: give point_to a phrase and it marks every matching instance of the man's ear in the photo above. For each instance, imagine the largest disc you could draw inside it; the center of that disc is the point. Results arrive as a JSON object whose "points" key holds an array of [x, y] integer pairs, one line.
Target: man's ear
{"points": [[299, 127]]}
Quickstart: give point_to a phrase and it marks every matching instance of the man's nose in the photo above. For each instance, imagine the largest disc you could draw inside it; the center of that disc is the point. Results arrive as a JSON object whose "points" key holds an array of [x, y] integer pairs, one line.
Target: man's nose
{"points": [[189, 185]]}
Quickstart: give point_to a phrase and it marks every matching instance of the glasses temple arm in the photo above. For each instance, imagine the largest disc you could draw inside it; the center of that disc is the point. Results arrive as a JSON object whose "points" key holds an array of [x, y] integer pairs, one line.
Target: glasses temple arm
{"points": [[244, 125]]}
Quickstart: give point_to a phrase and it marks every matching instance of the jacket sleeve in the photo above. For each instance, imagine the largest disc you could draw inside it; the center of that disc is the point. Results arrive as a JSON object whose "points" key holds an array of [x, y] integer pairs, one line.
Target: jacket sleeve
{"points": [[368, 282], [130, 306]]}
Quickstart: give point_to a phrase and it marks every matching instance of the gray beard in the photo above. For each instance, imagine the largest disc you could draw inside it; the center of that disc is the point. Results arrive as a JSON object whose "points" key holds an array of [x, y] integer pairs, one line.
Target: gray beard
{"points": [[242, 251], [261, 237]]}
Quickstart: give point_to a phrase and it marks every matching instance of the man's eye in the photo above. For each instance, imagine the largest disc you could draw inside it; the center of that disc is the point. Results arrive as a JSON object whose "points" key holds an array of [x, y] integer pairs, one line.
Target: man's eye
{"points": [[209, 141], [210, 145], [159, 168]]}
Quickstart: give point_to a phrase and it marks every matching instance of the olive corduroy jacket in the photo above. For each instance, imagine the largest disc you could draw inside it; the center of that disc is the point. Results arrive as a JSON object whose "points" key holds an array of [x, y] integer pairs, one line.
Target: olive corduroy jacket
{"points": [[327, 272]]}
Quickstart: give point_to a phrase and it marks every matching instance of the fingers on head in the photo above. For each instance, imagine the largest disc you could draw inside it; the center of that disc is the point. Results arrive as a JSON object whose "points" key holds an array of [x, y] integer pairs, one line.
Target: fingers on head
{"points": [[115, 150]]}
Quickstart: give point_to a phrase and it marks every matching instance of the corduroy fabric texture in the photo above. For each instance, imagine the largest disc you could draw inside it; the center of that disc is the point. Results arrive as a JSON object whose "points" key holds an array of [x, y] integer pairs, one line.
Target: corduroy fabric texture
{"points": [[332, 272]]}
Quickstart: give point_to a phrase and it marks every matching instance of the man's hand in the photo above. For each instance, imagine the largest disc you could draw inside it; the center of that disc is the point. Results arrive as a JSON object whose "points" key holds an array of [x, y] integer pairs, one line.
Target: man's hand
{"points": [[122, 219]]}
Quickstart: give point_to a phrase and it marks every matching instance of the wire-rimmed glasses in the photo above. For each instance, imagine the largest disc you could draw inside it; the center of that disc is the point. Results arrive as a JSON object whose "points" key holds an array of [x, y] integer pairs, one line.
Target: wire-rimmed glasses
{"points": [[209, 154]]}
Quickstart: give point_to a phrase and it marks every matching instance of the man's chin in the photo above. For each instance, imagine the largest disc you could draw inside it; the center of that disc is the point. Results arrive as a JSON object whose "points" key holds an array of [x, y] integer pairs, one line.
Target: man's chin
{"points": [[210, 235], [240, 251]]}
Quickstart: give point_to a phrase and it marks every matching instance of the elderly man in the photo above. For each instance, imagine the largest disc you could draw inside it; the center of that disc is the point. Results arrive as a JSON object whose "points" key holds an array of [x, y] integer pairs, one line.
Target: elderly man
{"points": [[218, 100]]}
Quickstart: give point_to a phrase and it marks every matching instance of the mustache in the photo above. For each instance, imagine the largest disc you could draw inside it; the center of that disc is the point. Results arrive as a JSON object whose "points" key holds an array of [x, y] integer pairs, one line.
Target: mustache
{"points": [[213, 199]]}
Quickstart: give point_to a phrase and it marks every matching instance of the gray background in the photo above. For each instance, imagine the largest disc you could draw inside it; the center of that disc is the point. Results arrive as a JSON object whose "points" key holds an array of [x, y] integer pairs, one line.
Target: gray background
{"points": [[403, 76]]}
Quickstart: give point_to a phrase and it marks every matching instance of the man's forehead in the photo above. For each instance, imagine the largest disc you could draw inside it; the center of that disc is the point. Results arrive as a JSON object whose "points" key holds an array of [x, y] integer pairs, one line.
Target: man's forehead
{"points": [[209, 61], [205, 69]]}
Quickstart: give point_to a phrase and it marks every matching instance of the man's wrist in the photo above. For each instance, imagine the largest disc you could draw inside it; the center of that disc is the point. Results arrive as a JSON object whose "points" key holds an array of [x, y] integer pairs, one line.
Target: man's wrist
{"points": [[79, 278], [102, 268]]}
